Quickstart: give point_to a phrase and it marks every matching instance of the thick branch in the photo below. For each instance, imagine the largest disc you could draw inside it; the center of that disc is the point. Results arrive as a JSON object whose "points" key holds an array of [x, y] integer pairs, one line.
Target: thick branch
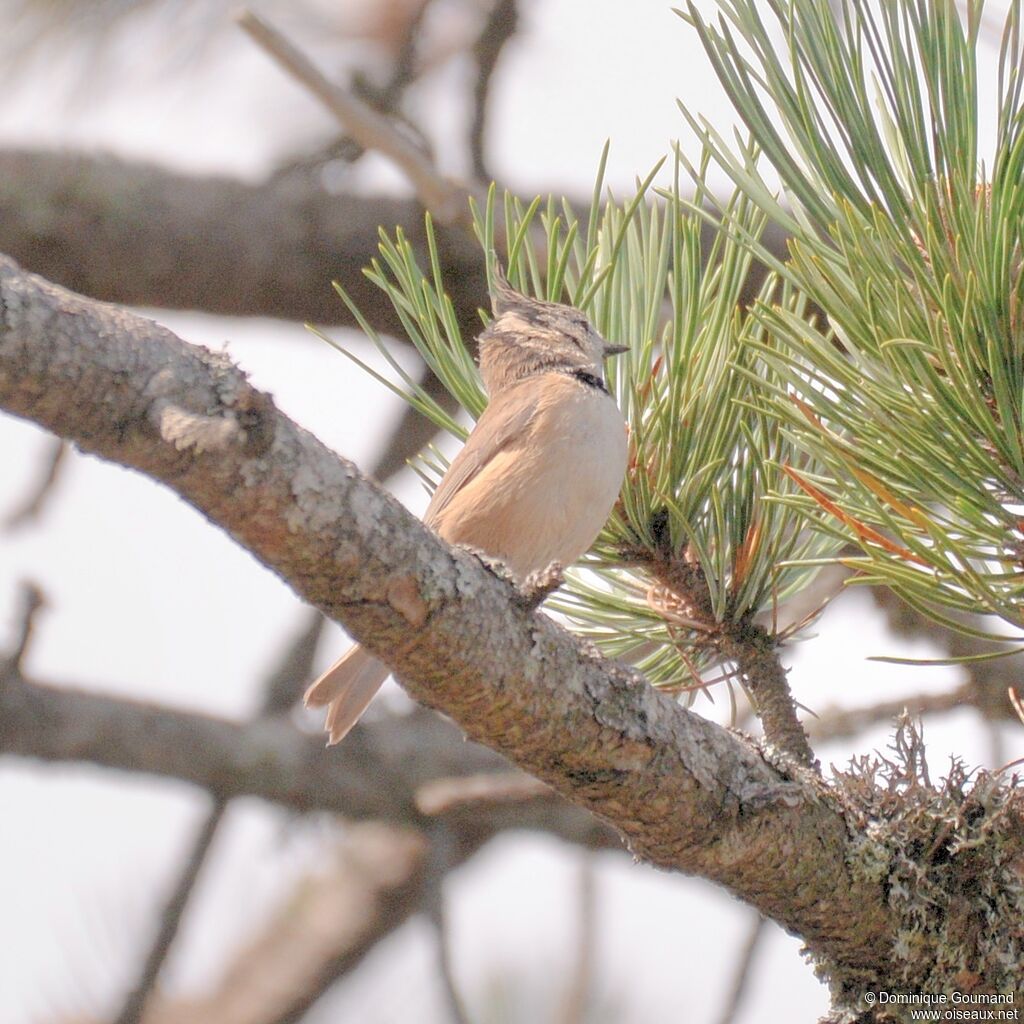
{"points": [[142, 236], [685, 793], [272, 759]]}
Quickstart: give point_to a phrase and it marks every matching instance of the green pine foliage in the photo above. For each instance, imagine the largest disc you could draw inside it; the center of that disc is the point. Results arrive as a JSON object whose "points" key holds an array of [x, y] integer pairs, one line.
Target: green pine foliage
{"points": [[706, 536], [909, 391], [871, 396]]}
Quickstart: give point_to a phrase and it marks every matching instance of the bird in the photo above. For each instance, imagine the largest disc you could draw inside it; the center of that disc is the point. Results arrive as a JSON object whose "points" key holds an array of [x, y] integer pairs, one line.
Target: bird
{"points": [[537, 477]]}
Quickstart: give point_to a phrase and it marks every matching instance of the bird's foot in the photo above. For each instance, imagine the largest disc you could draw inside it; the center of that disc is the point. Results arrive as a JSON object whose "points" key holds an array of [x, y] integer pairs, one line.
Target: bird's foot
{"points": [[538, 585], [495, 566]]}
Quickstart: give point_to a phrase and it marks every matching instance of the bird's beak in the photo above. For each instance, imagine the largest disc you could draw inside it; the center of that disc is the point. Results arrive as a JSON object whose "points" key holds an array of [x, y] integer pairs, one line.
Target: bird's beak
{"points": [[615, 350]]}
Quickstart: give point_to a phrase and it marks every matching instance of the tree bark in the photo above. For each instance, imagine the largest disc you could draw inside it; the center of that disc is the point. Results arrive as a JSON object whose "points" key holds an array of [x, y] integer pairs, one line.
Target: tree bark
{"points": [[143, 236]]}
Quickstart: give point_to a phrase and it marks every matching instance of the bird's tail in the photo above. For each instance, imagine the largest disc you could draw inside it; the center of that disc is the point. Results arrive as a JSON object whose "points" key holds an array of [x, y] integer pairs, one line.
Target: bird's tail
{"points": [[346, 689]]}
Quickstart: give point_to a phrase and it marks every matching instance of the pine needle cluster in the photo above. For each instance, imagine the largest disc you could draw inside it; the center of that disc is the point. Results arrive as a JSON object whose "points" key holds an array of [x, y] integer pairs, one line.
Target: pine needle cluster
{"points": [[870, 397]]}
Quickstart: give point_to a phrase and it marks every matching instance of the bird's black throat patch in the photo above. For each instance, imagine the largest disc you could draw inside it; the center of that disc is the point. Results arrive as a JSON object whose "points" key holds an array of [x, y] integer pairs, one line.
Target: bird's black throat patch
{"points": [[590, 379]]}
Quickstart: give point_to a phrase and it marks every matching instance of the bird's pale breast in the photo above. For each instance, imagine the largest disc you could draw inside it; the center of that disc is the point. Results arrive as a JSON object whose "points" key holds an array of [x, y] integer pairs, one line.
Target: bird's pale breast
{"points": [[545, 498]]}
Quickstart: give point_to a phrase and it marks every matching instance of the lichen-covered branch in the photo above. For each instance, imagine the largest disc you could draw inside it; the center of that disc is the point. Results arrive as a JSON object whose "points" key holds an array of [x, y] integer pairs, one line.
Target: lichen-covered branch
{"points": [[685, 793]]}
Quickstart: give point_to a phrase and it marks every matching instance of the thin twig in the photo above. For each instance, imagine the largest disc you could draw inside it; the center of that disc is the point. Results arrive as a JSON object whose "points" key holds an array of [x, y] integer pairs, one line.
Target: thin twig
{"points": [[500, 27], [370, 886], [36, 500], [405, 70], [32, 601], [575, 1004], [385, 100], [446, 200], [443, 796], [444, 965], [287, 681], [442, 859], [170, 920], [743, 970], [840, 723], [282, 687], [1016, 703], [988, 679], [996, 746]]}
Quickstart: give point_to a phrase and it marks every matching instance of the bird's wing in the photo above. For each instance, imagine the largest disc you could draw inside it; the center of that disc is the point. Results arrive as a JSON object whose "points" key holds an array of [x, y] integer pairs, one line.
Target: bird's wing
{"points": [[504, 423]]}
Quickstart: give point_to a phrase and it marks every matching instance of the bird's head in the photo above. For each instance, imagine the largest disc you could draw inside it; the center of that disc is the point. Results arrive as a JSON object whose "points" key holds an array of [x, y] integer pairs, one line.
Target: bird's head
{"points": [[530, 335]]}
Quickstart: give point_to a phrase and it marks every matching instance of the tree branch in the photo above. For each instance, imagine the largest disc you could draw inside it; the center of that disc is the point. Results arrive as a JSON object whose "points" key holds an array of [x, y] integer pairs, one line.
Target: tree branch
{"points": [[280, 689], [32, 601], [743, 969], [575, 1004], [37, 498], [839, 722], [500, 27], [757, 659], [681, 594], [406, 67], [987, 680], [140, 993], [449, 796], [444, 855], [142, 236], [330, 923], [685, 793], [273, 760], [376, 884], [446, 200]]}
